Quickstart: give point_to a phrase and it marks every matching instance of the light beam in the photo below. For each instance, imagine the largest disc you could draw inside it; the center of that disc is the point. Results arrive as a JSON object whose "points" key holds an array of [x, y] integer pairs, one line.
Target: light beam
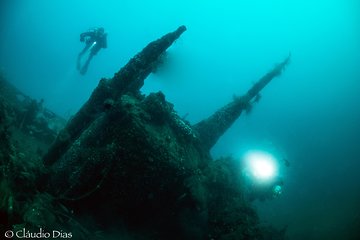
{"points": [[261, 165]]}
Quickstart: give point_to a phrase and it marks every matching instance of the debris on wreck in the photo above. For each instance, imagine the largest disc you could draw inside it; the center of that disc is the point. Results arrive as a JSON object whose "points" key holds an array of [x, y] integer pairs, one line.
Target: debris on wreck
{"points": [[26, 131], [129, 162]]}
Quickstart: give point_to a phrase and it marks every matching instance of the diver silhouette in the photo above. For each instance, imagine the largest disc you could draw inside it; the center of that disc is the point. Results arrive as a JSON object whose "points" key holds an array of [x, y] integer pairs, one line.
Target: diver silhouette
{"points": [[95, 39]]}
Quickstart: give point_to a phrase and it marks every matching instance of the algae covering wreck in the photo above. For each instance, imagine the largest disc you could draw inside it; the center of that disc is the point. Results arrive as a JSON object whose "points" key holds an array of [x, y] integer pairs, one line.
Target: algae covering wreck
{"points": [[126, 166]]}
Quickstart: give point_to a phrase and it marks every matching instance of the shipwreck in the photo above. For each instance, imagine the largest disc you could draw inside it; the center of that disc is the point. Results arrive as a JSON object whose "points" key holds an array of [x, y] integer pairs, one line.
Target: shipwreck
{"points": [[128, 162]]}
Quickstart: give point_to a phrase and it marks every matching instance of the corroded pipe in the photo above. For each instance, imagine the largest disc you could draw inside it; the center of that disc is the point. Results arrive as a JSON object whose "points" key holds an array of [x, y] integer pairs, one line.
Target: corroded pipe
{"points": [[212, 128]]}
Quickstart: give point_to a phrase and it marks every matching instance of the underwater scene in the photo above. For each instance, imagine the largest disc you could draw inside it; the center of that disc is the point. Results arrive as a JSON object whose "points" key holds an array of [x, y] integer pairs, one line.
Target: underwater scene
{"points": [[192, 119]]}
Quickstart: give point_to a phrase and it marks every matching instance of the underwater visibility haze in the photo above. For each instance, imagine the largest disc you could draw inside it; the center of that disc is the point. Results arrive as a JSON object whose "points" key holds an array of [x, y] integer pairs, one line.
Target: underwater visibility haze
{"points": [[300, 135]]}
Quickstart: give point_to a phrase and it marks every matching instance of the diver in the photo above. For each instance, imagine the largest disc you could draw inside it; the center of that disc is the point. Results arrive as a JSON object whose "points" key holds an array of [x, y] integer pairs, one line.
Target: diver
{"points": [[95, 39], [266, 190]]}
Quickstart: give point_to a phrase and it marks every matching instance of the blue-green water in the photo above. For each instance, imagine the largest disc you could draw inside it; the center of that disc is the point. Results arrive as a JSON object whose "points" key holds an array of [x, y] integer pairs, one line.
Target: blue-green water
{"points": [[310, 115]]}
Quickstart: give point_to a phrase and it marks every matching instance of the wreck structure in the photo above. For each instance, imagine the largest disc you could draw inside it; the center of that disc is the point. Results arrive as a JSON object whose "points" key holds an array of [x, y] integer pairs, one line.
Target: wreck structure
{"points": [[128, 161]]}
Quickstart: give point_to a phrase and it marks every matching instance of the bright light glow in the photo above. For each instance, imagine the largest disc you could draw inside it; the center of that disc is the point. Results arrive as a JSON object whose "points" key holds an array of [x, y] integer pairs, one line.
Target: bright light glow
{"points": [[261, 165], [93, 44], [262, 168]]}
